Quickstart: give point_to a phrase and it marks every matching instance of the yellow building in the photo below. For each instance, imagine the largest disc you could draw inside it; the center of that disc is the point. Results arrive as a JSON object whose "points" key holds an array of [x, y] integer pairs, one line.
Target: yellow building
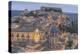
{"points": [[36, 35]]}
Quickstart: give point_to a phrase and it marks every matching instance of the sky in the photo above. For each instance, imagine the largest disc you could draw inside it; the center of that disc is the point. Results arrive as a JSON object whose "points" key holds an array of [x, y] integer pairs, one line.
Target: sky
{"points": [[16, 5]]}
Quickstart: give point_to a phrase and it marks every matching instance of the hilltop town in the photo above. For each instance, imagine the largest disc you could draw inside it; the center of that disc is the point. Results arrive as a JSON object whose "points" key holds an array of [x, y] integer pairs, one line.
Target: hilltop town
{"points": [[43, 30]]}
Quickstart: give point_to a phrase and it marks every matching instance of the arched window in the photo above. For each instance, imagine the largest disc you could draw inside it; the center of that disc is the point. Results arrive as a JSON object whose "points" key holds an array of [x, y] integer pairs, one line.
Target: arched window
{"points": [[17, 35], [22, 36]]}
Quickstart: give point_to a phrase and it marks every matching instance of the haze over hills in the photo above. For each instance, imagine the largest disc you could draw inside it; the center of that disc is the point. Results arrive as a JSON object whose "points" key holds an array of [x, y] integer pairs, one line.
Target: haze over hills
{"points": [[73, 16], [33, 6]]}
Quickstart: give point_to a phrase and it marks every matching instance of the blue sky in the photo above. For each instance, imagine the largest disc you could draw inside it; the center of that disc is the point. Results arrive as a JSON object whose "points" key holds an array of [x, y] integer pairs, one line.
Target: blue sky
{"points": [[33, 6]]}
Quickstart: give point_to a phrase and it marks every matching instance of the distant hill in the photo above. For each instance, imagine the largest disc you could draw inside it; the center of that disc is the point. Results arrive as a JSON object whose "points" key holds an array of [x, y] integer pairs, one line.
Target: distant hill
{"points": [[16, 12], [73, 16]]}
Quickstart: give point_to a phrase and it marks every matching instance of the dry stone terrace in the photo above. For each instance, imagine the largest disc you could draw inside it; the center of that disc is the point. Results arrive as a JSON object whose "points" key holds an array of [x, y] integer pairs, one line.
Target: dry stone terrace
{"points": [[42, 30]]}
